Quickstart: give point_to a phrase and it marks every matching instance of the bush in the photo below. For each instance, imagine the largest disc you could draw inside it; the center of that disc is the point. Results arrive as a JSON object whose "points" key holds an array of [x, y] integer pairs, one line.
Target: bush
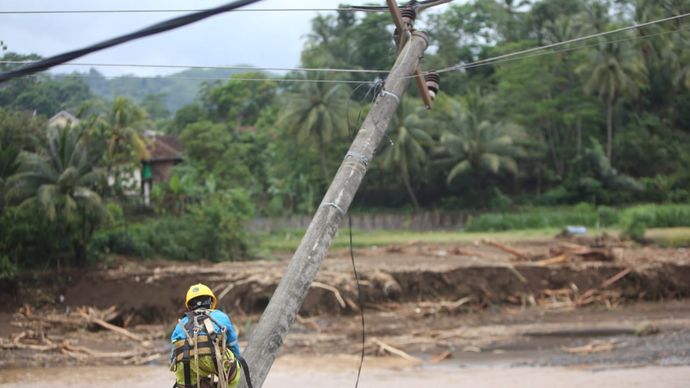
{"points": [[608, 216], [213, 230], [637, 219], [537, 218]]}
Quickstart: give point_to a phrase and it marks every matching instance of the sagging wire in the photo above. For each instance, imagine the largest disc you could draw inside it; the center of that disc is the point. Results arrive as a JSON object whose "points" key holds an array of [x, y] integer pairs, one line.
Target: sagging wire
{"points": [[562, 43], [374, 86], [210, 67], [334, 81]]}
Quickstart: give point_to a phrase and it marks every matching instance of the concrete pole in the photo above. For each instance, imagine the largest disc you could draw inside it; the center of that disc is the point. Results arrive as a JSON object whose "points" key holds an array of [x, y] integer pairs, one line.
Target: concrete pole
{"points": [[269, 334]]}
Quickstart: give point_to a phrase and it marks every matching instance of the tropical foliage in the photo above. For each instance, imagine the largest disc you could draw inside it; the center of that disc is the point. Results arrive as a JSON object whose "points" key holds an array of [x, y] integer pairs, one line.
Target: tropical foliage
{"points": [[602, 122]]}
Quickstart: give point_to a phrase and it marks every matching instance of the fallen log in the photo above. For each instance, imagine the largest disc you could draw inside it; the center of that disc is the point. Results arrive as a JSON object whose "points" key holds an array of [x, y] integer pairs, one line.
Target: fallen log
{"points": [[586, 297], [595, 346], [507, 249], [395, 351], [332, 289]]}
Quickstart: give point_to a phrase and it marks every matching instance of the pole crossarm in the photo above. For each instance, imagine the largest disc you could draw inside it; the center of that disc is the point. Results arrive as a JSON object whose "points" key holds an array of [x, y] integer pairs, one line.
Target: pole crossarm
{"points": [[269, 334]]}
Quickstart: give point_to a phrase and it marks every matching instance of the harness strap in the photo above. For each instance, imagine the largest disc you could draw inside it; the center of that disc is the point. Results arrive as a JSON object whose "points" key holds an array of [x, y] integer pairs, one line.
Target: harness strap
{"points": [[216, 355], [196, 357], [187, 369]]}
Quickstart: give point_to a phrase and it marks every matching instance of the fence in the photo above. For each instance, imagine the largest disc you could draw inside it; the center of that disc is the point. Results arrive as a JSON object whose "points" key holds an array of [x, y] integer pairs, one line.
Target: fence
{"points": [[431, 220]]}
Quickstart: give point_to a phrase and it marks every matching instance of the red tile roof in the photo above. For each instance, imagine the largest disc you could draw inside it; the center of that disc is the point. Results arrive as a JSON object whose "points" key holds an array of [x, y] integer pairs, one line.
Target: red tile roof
{"points": [[166, 147]]}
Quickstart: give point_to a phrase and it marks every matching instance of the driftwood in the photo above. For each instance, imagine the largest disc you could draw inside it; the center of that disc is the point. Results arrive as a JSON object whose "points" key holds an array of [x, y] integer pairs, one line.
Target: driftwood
{"points": [[39, 342], [506, 248], [566, 252], [442, 356], [450, 307], [595, 346], [588, 295], [332, 289], [111, 327], [395, 351]]}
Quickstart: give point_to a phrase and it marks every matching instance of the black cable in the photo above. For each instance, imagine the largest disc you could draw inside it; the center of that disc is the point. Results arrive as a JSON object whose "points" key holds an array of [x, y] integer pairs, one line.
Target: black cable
{"points": [[359, 300], [167, 25]]}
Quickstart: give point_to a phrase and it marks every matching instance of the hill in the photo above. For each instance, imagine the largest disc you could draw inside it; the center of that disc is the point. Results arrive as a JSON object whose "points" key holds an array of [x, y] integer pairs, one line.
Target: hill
{"points": [[175, 90]]}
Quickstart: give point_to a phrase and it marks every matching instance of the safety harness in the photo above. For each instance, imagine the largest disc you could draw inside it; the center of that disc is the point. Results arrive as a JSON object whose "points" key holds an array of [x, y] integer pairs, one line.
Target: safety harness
{"points": [[202, 339]]}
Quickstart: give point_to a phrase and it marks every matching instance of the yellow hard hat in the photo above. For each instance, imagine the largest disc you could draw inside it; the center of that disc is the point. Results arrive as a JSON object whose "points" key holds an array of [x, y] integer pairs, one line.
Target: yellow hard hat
{"points": [[200, 290]]}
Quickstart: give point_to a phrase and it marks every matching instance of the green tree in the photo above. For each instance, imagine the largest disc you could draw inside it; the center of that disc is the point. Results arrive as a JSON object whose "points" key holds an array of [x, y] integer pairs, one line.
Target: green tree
{"points": [[473, 144], [238, 102], [613, 72], [316, 113], [62, 181], [408, 154], [121, 128]]}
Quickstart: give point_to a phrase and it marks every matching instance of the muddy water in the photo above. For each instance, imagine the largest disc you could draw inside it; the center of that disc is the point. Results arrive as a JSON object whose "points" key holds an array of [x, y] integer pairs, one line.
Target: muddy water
{"points": [[342, 373]]}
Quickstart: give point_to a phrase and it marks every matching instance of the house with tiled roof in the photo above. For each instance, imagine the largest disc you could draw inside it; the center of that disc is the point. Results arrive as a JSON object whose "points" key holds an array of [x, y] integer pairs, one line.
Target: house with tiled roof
{"points": [[165, 152]]}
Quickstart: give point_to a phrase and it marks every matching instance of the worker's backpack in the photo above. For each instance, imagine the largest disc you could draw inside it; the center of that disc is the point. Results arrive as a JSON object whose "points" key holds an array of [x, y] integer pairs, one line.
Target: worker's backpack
{"points": [[203, 339]]}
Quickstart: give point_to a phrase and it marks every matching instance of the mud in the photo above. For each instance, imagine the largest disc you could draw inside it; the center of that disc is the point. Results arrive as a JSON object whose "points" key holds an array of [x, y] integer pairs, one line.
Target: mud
{"points": [[419, 272], [302, 373], [521, 321]]}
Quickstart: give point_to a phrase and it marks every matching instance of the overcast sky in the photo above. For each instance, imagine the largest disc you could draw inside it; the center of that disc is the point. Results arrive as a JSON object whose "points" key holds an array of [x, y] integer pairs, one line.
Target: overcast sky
{"points": [[262, 39]]}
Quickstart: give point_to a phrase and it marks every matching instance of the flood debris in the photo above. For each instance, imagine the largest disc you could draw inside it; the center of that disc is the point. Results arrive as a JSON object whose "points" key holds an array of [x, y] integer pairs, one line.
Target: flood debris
{"points": [[595, 346], [47, 332], [505, 248]]}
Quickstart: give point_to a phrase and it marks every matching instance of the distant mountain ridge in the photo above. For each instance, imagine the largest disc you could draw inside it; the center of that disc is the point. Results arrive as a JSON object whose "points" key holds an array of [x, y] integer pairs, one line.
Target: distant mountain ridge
{"points": [[176, 90]]}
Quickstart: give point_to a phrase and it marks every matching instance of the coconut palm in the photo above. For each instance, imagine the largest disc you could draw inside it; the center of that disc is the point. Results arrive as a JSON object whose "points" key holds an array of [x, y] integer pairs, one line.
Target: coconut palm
{"points": [[614, 72], [472, 143], [316, 112], [408, 153], [61, 181], [124, 121], [121, 128]]}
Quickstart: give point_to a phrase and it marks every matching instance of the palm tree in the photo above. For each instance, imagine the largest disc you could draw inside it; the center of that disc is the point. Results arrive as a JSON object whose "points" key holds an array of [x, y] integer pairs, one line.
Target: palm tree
{"points": [[614, 71], [474, 144], [315, 113], [121, 129], [124, 121], [408, 153], [61, 181]]}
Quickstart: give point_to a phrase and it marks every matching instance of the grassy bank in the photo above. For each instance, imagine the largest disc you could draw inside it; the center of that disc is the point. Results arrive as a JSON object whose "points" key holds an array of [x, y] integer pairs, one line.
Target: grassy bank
{"points": [[288, 240]]}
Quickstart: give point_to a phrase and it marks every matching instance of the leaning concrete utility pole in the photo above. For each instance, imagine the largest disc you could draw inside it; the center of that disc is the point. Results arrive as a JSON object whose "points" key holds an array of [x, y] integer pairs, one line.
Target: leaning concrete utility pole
{"points": [[269, 334]]}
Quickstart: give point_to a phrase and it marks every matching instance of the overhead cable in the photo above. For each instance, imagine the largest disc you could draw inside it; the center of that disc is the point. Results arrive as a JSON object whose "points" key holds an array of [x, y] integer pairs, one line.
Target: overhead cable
{"points": [[167, 25], [315, 80], [340, 70], [344, 8], [576, 48], [487, 61], [212, 67]]}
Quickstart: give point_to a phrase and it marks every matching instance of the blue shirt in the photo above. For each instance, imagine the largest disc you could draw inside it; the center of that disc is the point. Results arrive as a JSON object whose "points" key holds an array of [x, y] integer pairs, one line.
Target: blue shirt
{"points": [[217, 316]]}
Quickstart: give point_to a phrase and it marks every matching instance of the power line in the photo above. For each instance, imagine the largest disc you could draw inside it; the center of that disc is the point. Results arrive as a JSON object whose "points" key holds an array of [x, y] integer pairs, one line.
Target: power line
{"points": [[491, 60], [337, 70], [569, 49], [212, 67], [349, 8], [335, 81], [95, 11], [167, 25]]}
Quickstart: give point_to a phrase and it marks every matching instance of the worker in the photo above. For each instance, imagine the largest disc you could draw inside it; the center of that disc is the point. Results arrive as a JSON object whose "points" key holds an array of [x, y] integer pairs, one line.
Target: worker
{"points": [[205, 352]]}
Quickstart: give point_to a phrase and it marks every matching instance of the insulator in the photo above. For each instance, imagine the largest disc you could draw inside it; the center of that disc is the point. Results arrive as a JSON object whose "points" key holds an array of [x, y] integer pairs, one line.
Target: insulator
{"points": [[408, 13], [433, 83]]}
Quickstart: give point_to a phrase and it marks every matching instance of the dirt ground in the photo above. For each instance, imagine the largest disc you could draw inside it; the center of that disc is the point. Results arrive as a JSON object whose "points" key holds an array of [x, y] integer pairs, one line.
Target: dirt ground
{"points": [[605, 313]]}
